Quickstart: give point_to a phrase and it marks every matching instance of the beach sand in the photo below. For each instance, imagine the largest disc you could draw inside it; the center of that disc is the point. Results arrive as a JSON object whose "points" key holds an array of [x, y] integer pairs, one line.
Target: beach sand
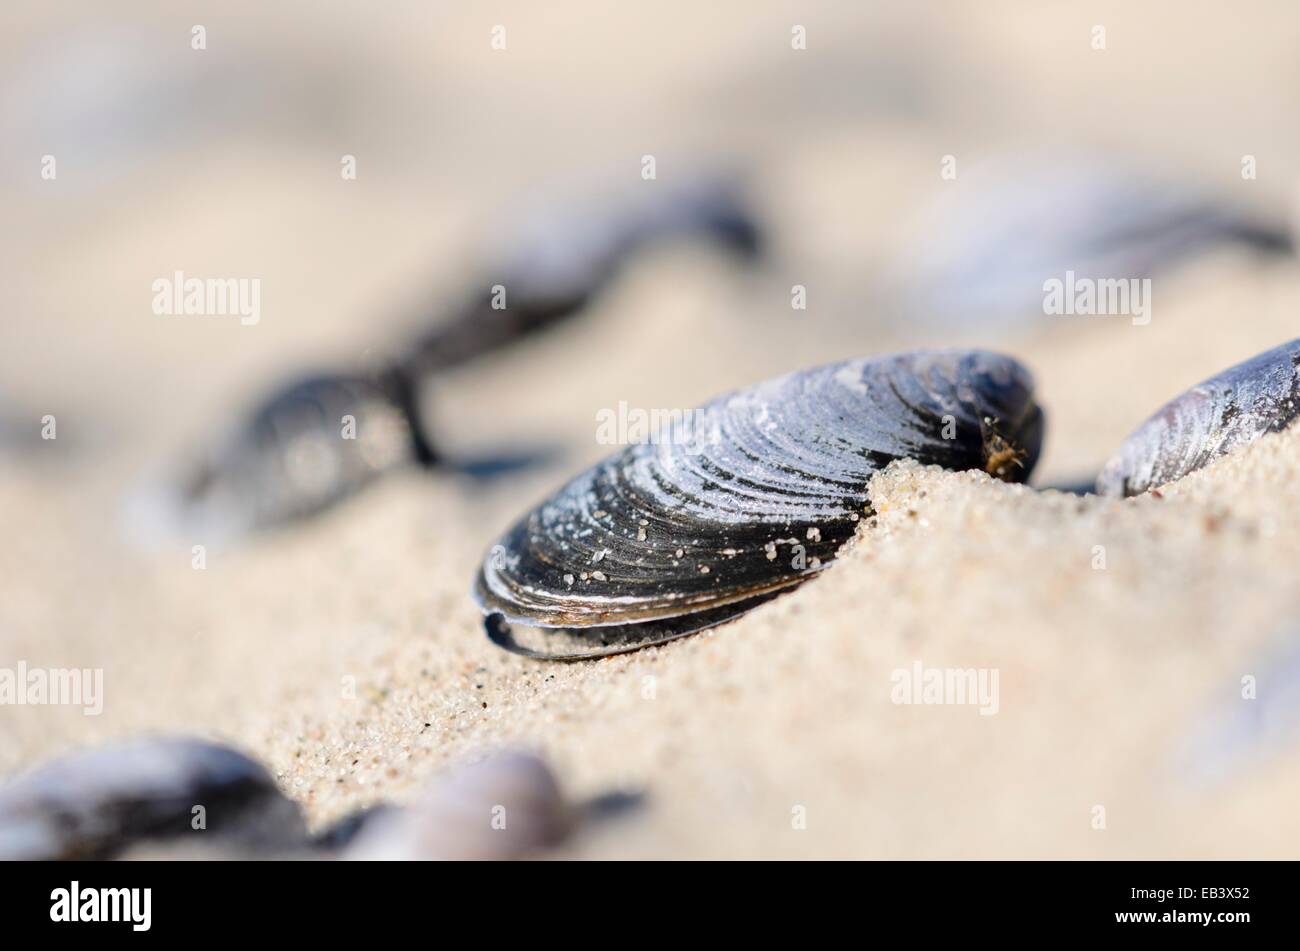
{"points": [[345, 652]]}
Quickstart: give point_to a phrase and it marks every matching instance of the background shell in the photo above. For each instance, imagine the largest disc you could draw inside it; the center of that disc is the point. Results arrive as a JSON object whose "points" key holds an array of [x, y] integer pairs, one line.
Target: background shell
{"points": [[95, 803], [505, 806], [1225, 412], [981, 254], [752, 494], [289, 459]]}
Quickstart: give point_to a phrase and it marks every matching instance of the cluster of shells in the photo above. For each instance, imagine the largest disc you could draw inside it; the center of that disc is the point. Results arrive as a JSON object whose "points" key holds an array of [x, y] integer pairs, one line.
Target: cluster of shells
{"points": [[284, 460], [163, 796], [765, 485], [664, 539], [754, 498]]}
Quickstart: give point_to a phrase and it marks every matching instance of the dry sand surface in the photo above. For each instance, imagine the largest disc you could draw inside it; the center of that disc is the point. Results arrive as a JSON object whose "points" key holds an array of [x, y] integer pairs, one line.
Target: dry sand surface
{"points": [[1120, 686]]}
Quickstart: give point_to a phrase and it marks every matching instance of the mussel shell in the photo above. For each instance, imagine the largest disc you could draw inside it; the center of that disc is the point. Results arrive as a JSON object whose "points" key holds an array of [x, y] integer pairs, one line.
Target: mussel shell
{"points": [[1225, 412], [568, 250], [981, 252], [94, 804], [505, 806], [295, 455], [563, 254], [752, 494]]}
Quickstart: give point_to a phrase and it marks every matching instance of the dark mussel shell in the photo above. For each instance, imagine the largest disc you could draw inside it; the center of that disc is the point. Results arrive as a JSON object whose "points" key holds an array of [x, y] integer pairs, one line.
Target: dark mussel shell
{"points": [[305, 448], [95, 804], [745, 498], [1225, 412], [981, 252], [561, 256]]}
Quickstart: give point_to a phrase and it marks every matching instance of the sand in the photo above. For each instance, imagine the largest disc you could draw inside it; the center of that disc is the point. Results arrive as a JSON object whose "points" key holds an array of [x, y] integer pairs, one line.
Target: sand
{"points": [[345, 652]]}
